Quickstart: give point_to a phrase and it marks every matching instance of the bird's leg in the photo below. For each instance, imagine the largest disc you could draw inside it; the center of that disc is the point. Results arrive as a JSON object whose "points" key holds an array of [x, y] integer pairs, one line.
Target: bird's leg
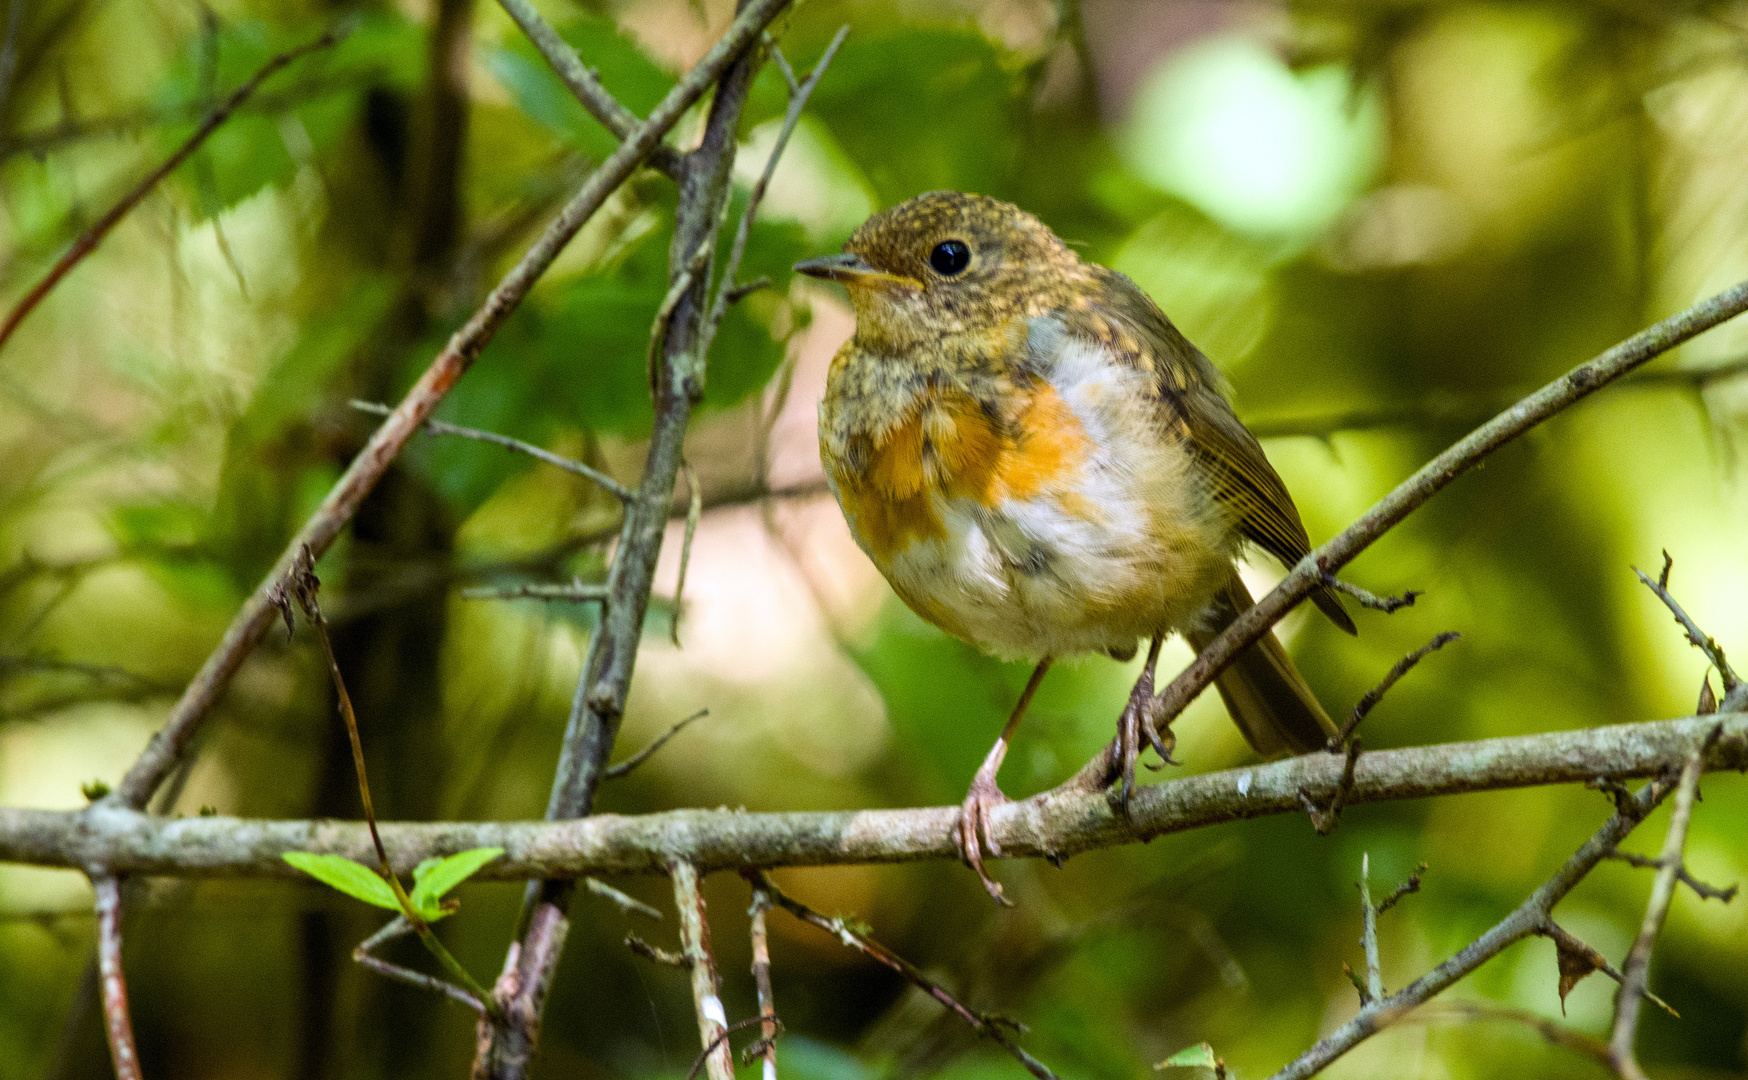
{"points": [[1133, 726], [985, 795]]}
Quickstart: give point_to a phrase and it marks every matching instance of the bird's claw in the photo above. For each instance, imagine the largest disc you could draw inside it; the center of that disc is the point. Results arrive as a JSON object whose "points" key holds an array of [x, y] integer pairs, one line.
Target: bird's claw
{"points": [[972, 834]]}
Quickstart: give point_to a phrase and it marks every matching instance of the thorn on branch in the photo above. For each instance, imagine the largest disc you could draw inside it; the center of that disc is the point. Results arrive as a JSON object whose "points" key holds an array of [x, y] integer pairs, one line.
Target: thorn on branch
{"points": [[1389, 605]]}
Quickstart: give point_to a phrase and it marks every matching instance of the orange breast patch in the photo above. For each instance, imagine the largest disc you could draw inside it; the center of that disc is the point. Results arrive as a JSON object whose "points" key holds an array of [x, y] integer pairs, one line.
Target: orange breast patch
{"points": [[951, 446]]}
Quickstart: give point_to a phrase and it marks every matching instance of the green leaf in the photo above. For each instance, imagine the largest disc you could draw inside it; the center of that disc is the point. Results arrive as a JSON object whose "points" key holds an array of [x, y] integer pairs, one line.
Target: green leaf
{"points": [[353, 879], [434, 877], [1199, 1056]]}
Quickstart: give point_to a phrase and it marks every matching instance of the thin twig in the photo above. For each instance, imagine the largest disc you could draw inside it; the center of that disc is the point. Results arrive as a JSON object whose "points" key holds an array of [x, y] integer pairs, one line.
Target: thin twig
{"points": [[1553, 1032], [302, 587], [1636, 972], [1389, 605], [1412, 493], [362, 955], [1326, 817], [655, 953], [1406, 889], [1369, 933], [1701, 889], [695, 944], [762, 903], [694, 511], [798, 95], [117, 1024], [627, 903], [576, 592], [721, 1043], [677, 386], [1376, 694], [251, 623], [90, 238], [852, 937], [1696, 637], [438, 427], [614, 772], [1530, 918], [582, 82]]}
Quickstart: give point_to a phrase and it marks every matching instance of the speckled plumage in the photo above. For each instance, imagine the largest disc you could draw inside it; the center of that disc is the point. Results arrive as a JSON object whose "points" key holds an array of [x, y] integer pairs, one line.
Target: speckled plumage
{"points": [[1041, 464]]}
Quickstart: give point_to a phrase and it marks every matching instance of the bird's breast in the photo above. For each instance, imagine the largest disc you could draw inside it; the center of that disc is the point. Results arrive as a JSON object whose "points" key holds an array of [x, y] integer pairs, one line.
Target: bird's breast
{"points": [[1042, 513]]}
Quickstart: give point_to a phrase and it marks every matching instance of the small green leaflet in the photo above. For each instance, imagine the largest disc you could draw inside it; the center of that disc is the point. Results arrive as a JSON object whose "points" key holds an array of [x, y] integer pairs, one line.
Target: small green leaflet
{"points": [[1200, 1056], [432, 878]]}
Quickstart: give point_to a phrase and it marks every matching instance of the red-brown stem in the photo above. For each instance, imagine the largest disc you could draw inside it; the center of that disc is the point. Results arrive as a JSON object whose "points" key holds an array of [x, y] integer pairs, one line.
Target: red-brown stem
{"points": [[117, 1024]]}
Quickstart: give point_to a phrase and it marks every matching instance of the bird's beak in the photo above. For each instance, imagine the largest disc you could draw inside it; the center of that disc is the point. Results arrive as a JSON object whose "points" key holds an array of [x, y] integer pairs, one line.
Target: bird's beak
{"points": [[851, 270]]}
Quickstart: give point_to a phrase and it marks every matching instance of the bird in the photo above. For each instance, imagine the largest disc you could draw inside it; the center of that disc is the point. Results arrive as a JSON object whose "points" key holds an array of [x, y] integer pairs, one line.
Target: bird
{"points": [[1041, 464]]}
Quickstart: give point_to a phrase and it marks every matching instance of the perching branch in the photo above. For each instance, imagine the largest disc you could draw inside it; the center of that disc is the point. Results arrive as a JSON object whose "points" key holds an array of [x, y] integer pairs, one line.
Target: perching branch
{"points": [[1053, 824], [90, 238], [1410, 495]]}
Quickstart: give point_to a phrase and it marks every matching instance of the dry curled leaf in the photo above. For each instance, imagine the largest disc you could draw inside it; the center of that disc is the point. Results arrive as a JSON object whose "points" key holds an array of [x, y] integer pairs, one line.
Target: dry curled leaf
{"points": [[1708, 702], [1574, 966]]}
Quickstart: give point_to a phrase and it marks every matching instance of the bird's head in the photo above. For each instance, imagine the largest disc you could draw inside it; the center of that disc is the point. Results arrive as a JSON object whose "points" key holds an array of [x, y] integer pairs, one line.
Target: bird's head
{"points": [[947, 263]]}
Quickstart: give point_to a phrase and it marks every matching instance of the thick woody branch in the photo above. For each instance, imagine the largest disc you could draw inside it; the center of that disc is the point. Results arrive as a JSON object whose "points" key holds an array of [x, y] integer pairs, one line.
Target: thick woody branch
{"points": [[1408, 496], [252, 622], [1057, 823]]}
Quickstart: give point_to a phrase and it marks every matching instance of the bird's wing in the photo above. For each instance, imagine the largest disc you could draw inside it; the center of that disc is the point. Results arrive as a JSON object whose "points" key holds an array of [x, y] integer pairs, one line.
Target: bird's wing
{"points": [[1127, 321]]}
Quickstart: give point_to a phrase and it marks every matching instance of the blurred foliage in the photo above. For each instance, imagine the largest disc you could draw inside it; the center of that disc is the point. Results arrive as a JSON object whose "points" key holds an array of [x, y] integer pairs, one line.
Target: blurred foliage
{"points": [[1420, 209]]}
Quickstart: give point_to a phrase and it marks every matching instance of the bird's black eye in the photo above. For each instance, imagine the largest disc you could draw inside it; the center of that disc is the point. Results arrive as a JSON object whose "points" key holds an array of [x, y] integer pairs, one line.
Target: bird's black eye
{"points": [[950, 257]]}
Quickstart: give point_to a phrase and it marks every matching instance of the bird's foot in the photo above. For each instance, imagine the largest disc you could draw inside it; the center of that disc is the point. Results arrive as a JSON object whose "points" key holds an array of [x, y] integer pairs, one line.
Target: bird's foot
{"points": [[1133, 726], [973, 836]]}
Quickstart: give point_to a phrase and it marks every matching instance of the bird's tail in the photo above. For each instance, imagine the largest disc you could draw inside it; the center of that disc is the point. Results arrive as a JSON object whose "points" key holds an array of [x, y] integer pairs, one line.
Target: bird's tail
{"points": [[1264, 692]]}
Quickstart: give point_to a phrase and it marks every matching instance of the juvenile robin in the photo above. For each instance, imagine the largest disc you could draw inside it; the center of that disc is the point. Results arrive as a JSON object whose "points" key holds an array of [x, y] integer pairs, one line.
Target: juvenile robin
{"points": [[1041, 464]]}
